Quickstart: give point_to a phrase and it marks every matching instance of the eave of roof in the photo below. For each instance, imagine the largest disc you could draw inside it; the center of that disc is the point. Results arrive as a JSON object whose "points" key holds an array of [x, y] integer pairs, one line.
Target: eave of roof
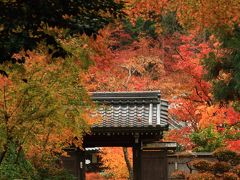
{"points": [[134, 95], [129, 129]]}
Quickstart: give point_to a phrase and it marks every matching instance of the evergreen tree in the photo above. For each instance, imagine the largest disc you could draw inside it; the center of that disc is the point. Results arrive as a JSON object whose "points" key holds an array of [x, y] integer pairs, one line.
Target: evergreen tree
{"points": [[24, 23], [224, 70]]}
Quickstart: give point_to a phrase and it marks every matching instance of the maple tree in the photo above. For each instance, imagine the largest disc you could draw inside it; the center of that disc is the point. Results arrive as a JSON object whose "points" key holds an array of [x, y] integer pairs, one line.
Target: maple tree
{"points": [[197, 107], [43, 110]]}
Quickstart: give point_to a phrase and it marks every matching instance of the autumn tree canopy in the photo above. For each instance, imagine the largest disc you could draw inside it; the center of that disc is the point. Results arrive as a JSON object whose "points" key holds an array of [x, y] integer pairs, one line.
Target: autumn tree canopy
{"points": [[189, 49], [23, 24], [44, 109]]}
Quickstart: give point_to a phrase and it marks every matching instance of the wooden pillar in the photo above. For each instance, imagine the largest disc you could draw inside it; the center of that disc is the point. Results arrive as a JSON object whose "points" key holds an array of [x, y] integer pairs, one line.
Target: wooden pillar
{"points": [[137, 160], [81, 165]]}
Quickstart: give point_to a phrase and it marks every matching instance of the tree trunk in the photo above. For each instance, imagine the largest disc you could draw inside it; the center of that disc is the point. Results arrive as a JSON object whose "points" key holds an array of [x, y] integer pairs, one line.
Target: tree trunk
{"points": [[126, 158], [2, 155]]}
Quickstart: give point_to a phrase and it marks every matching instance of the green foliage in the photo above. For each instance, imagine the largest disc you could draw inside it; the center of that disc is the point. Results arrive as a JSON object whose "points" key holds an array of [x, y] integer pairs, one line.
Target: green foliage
{"points": [[149, 28], [44, 97], [232, 131], [146, 28], [207, 140], [78, 46], [226, 89], [170, 24], [15, 165], [58, 174], [25, 23]]}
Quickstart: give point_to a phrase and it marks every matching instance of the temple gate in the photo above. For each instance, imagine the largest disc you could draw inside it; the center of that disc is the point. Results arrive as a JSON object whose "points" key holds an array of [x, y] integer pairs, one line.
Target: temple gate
{"points": [[129, 119]]}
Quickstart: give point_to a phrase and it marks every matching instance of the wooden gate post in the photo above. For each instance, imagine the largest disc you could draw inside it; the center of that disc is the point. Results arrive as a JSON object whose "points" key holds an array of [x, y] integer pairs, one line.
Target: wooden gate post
{"points": [[137, 159], [81, 160]]}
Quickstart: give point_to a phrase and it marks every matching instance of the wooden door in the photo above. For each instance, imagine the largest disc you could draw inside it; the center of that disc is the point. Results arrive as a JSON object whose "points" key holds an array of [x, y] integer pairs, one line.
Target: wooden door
{"points": [[75, 164], [71, 163], [154, 165]]}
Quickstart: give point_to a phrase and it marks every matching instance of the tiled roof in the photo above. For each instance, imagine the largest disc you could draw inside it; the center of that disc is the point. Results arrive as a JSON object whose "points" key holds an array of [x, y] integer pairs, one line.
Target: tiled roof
{"points": [[93, 149], [131, 109]]}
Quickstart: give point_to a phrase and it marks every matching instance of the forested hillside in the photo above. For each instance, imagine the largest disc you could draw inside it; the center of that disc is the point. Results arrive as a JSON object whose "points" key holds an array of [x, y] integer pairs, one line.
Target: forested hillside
{"points": [[53, 52]]}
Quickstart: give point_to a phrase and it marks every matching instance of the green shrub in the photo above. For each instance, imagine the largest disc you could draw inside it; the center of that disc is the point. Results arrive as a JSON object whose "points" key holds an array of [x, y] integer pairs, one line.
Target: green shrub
{"points": [[207, 140], [15, 165]]}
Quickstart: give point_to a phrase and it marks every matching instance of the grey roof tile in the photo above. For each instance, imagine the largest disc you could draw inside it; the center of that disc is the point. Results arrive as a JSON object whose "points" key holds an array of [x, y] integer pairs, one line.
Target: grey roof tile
{"points": [[131, 109]]}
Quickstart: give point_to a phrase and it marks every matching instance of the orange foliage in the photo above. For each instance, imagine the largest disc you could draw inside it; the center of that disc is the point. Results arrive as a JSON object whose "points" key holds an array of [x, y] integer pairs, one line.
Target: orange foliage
{"points": [[200, 14], [113, 160], [192, 14], [142, 65], [4, 81], [178, 72], [187, 107], [217, 116], [181, 136], [196, 107], [41, 119], [171, 63], [234, 145]]}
